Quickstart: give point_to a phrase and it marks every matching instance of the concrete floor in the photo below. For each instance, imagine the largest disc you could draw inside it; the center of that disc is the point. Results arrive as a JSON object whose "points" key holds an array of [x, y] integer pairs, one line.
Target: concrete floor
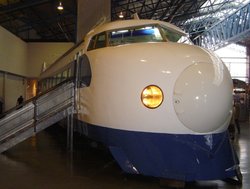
{"points": [[42, 162]]}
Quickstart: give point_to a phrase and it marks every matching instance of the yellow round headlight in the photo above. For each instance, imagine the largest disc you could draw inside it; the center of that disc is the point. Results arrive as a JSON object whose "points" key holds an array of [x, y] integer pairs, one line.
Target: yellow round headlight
{"points": [[152, 96]]}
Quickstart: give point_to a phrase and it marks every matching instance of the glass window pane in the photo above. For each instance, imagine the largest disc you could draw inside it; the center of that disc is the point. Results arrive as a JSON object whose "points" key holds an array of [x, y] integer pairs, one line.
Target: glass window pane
{"points": [[101, 41], [91, 43], [135, 35]]}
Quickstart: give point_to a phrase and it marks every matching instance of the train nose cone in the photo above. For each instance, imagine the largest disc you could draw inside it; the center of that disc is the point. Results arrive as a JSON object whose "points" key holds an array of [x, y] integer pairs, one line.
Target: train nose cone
{"points": [[203, 97]]}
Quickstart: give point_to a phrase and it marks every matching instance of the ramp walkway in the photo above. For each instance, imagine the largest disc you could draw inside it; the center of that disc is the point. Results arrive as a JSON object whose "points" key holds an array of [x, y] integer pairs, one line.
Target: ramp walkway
{"points": [[234, 28], [37, 114]]}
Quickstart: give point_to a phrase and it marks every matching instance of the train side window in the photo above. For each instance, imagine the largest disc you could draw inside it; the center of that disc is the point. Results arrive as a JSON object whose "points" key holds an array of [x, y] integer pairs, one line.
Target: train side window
{"points": [[48, 83], [51, 82], [70, 73], [44, 87], [59, 78], [54, 81], [84, 71], [65, 75]]}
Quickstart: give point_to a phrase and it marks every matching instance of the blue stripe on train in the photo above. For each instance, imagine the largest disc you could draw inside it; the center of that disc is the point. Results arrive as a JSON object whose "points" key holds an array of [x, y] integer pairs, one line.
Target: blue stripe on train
{"points": [[173, 156]]}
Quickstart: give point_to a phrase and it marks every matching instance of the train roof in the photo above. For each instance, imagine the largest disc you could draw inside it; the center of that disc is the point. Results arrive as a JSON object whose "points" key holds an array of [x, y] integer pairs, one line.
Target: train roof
{"points": [[132, 23]]}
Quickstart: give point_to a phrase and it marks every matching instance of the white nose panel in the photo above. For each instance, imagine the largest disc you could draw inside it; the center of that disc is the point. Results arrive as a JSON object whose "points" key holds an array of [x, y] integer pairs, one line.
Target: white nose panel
{"points": [[203, 97]]}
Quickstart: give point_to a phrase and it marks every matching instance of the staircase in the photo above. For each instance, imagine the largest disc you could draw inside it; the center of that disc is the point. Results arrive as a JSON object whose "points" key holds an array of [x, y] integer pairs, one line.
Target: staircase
{"points": [[37, 114], [234, 28]]}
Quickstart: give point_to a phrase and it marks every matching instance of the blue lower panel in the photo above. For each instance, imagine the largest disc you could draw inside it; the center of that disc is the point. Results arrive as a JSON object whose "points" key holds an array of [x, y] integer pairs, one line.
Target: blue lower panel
{"points": [[173, 156]]}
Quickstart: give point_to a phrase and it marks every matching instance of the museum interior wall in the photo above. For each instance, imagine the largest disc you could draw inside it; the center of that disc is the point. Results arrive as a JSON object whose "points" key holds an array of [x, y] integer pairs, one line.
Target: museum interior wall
{"points": [[21, 63], [1, 93], [13, 53], [44, 53]]}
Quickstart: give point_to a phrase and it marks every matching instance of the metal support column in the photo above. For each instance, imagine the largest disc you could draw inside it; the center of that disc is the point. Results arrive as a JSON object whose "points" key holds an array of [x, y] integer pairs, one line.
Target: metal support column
{"points": [[248, 62], [248, 75], [70, 122], [70, 130]]}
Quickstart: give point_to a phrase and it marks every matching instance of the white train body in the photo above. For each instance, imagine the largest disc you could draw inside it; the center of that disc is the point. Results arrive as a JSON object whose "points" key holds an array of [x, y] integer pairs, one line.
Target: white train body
{"points": [[177, 137], [115, 88]]}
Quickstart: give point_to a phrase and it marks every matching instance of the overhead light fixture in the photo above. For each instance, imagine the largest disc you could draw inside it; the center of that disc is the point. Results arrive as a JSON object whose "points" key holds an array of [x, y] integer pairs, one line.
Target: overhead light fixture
{"points": [[121, 15], [60, 7]]}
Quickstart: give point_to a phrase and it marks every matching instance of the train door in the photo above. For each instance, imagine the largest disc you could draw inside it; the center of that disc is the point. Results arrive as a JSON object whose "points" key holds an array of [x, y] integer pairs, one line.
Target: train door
{"points": [[83, 81], [84, 72], [83, 76]]}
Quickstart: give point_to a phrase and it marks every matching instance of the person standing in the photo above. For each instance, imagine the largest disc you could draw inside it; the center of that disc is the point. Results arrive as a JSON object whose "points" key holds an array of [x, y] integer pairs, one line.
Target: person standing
{"points": [[1, 106], [19, 101], [237, 115]]}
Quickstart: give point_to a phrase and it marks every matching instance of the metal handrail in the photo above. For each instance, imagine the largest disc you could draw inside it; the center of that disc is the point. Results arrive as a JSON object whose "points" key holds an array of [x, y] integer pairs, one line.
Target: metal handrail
{"points": [[37, 114], [233, 28]]}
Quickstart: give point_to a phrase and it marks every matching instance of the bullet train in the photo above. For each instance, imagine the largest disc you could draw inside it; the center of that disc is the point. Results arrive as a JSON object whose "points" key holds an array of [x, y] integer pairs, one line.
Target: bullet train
{"points": [[160, 104]]}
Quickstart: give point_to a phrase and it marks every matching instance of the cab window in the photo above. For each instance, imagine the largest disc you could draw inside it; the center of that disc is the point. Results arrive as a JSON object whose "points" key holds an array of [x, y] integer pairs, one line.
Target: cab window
{"points": [[175, 37], [91, 43], [98, 41]]}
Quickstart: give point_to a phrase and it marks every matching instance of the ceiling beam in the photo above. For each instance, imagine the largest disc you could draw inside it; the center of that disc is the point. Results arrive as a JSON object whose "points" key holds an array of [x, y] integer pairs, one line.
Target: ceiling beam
{"points": [[21, 5]]}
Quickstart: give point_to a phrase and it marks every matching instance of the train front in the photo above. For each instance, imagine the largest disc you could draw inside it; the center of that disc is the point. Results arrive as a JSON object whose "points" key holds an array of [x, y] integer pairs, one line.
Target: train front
{"points": [[167, 106]]}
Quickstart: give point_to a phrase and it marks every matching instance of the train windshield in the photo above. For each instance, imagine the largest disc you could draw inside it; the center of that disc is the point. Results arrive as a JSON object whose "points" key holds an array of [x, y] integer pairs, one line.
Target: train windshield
{"points": [[144, 34], [135, 35]]}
